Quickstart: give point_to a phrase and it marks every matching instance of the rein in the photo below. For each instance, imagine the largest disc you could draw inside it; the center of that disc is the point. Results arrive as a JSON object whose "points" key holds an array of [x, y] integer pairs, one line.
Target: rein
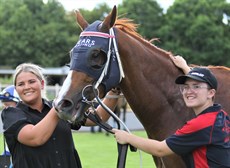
{"points": [[122, 148]]}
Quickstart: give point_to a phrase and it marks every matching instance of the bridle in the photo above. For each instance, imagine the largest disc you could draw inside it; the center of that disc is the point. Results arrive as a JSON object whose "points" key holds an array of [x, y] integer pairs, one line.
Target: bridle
{"points": [[93, 45], [112, 40], [122, 149]]}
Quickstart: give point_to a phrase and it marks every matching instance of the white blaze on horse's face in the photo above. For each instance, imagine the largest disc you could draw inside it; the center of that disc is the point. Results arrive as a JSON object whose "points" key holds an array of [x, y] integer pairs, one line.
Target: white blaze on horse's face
{"points": [[64, 110], [65, 87], [69, 103]]}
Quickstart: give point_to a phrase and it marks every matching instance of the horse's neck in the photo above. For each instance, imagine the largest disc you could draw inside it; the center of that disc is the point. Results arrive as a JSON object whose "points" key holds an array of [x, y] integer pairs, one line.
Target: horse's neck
{"points": [[147, 75], [149, 85], [145, 66]]}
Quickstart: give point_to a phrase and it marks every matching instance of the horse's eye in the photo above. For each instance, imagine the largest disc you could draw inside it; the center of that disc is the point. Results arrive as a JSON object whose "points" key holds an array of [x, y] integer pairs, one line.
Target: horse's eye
{"points": [[97, 58]]}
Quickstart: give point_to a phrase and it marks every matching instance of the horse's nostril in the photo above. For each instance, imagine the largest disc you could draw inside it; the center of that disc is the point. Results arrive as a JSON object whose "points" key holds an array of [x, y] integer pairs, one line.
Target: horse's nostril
{"points": [[64, 109], [65, 104]]}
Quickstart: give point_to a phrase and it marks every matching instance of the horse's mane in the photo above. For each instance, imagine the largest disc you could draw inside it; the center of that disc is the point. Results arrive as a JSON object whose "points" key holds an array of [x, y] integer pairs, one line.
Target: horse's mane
{"points": [[219, 67], [211, 67], [127, 25]]}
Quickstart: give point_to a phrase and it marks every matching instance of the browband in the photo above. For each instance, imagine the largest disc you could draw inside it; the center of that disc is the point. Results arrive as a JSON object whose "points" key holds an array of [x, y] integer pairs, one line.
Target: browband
{"points": [[96, 34]]}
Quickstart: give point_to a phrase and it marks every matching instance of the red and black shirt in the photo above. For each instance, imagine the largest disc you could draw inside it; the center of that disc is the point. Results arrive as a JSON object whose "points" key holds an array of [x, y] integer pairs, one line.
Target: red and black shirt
{"points": [[204, 142]]}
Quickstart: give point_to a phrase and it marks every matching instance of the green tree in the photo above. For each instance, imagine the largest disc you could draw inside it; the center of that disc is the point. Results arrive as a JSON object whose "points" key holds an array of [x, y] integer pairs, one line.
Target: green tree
{"points": [[195, 29], [32, 31]]}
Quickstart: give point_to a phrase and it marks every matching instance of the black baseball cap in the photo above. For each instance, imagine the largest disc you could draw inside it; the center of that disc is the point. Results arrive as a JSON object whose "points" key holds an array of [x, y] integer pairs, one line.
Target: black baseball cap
{"points": [[199, 74]]}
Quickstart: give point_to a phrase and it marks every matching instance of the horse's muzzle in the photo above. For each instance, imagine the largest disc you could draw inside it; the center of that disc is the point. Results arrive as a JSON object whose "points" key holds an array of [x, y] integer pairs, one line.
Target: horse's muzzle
{"points": [[65, 110]]}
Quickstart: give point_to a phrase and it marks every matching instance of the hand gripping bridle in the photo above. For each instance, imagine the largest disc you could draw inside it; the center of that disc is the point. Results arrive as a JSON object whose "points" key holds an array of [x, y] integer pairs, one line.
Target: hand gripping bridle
{"points": [[122, 148]]}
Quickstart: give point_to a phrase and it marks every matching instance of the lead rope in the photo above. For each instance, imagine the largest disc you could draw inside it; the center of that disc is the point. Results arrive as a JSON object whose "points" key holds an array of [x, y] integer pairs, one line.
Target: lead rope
{"points": [[118, 120], [122, 149]]}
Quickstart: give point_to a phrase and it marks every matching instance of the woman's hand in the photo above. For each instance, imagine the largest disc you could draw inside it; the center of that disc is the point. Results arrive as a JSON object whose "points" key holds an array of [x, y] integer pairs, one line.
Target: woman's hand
{"points": [[121, 136], [181, 63]]}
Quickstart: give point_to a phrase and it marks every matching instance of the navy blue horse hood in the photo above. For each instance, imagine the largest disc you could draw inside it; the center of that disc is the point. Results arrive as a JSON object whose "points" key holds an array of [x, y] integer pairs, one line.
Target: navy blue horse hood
{"points": [[81, 52]]}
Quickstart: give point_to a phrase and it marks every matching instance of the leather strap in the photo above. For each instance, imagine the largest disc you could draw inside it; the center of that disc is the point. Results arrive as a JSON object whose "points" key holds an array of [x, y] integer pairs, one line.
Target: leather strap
{"points": [[122, 149]]}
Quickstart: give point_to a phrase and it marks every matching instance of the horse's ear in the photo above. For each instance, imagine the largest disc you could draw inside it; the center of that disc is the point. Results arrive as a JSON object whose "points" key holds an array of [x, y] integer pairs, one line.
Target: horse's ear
{"points": [[109, 21], [81, 20]]}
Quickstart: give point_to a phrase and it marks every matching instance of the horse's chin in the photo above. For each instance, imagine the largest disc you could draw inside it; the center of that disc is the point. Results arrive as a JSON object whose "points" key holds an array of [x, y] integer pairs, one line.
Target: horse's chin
{"points": [[79, 113]]}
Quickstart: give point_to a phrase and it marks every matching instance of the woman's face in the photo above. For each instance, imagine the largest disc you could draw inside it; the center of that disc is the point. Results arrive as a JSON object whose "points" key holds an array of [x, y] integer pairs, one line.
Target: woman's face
{"points": [[197, 95], [29, 87]]}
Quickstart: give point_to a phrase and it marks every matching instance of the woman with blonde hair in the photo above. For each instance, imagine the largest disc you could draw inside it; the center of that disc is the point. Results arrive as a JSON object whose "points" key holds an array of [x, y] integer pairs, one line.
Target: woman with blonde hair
{"points": [[35, 135]]}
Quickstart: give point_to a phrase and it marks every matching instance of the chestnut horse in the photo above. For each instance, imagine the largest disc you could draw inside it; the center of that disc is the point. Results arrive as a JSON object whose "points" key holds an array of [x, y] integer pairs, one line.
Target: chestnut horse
{"points": [[144, 72]]}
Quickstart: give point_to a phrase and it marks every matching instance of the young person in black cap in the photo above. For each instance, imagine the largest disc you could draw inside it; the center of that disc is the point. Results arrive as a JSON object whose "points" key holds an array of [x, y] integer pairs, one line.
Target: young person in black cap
{"points": [[203, 141]]}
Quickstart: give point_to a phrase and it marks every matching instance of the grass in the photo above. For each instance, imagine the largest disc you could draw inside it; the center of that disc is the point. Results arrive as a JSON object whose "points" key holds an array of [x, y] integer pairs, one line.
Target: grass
{"points": [[97, 150], [100, 151]]}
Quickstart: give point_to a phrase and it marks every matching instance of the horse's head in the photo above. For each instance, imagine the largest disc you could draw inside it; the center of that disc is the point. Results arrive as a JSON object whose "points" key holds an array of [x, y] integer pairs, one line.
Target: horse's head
{"points": [[93, 67]]}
